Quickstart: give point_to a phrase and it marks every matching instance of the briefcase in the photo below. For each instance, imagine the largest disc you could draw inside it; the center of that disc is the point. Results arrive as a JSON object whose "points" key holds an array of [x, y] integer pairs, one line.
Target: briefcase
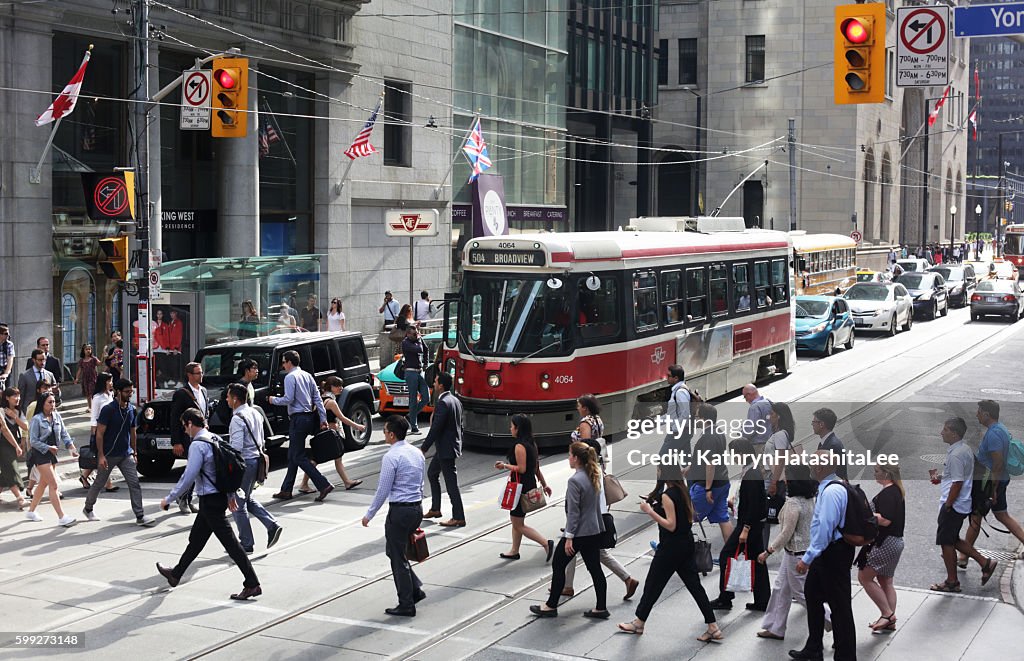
{"points": [[417, 549], [326, 446]]}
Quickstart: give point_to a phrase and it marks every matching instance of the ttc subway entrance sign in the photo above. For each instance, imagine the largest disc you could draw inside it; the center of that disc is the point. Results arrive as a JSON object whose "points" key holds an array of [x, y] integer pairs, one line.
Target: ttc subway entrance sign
{"points": [[922, 48]]}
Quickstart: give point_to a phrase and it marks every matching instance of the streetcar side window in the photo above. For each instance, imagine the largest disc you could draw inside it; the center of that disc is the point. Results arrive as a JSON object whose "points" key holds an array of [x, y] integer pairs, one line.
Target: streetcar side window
{"points": [[780, 286], [645, 300], [672, 297], [696, 294], [599, 309], [476, 310], [741, 287], [719, 290], [761, 284]]}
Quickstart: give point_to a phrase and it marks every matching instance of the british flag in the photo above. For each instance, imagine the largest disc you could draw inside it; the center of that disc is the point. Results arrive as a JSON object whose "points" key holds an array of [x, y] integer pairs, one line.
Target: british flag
{"points": [[361, 145], [475, 150]]}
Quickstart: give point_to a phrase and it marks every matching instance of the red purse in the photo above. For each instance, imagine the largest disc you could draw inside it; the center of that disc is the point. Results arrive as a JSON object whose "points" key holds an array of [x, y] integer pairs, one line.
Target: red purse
{"points": [[513, 489]]}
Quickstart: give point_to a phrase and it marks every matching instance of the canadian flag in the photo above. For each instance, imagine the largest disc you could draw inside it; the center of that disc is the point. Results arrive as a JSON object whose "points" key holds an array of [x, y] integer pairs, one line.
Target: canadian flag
{"points": [[934, 115], [973, 119], [65, 103]]}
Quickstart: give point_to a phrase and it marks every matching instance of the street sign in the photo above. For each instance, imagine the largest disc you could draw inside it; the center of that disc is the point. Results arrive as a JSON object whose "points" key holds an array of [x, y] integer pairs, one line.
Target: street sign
{"points": [[195, 100], [411, 222], [154, 284], [989, 20], [856, 236], [922, 46]]}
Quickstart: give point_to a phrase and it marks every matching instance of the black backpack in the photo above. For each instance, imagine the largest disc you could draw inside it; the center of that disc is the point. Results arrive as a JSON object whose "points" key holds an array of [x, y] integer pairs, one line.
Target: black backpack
{"points": [[861, 526], [229, 466]]}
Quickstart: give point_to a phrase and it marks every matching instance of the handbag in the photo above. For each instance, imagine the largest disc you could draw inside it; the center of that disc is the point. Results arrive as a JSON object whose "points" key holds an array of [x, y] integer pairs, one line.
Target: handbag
{"points": [[533, 500], [416, 549], [262, 459], [513, 489], [326, 446], [739, 572], [702, 552], [609, 538], [613, 491], [87, 459], [396, 334]]}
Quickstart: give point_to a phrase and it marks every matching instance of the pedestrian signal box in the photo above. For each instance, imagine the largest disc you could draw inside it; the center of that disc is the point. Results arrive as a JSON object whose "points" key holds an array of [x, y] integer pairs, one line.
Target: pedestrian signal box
{"points": [[114, 262], [859, 38], [230, 97]]}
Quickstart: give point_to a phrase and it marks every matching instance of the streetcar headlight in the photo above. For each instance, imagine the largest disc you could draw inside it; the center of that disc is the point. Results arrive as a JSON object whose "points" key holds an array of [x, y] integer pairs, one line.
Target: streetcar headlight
{"points": [[494, 379], [545, 383], [461, 380], [148, 413]]}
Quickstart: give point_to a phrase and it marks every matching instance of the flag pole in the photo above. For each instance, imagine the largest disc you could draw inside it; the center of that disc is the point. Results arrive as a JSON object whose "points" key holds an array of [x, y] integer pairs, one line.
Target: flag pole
{"points": [[35, 175], [437, 190], [338, 187], [280, 133]]}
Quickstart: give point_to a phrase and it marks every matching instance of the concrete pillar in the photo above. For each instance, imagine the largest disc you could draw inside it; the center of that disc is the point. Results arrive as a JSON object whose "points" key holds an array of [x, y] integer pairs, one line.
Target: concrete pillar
{"points": [[332, 232], [238, 186]]}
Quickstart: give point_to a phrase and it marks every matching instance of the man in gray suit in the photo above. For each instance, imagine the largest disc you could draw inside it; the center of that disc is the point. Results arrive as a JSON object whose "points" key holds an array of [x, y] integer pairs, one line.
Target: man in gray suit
{"points": [[33, 375], [446, 432]]}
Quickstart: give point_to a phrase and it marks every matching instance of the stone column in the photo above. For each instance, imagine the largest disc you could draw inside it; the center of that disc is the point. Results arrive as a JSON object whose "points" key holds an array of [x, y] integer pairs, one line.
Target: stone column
{"points": [[238, 186]]}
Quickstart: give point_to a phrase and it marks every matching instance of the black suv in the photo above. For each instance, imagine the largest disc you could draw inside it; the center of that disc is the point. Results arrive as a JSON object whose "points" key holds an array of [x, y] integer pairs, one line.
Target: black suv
{"points": [[321, 354]]}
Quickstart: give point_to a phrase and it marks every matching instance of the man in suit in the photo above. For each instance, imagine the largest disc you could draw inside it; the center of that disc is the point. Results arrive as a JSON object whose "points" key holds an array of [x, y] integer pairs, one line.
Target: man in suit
{"points": [[192, 395], [823, 423], [52, 364], [35, 373], [446, 433]]}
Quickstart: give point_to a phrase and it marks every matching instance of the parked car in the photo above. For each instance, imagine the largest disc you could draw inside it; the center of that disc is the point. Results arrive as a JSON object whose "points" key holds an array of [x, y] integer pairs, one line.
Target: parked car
{"points": [[878, 306], [1002, 297], [822, 322], [961, 282], [912, 264], [393, 393], [928, 291], [322, 354]]}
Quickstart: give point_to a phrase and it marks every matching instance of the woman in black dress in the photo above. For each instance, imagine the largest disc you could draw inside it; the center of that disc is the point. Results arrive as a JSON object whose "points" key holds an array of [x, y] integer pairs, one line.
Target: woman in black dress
{"points": [[675, 554], [10, 446], [523, 459]]}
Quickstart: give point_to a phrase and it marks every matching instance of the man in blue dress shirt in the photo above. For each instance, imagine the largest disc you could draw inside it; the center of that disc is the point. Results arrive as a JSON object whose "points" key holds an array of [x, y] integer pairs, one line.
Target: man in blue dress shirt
{"points": [[305, 411], [401, 484], [827, 564]]}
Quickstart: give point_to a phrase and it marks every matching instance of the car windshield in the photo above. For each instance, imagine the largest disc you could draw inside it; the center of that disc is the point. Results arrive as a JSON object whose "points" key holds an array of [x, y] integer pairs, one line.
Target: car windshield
{"points": [[914, 280], [949, 275], [220, 365], [809, 307], [867, 293], [996, 285], [908, 266], [517, 316]]}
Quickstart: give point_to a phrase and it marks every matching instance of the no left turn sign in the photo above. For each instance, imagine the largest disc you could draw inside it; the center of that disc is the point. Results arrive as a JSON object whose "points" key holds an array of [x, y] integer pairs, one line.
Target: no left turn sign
{"points": [[922, 48], [195, 100]]}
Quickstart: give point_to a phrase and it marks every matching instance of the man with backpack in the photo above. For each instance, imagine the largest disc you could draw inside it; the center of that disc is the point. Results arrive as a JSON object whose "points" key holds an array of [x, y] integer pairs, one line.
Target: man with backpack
{"points": [[246, 434], [827, 563], [213, 466]]}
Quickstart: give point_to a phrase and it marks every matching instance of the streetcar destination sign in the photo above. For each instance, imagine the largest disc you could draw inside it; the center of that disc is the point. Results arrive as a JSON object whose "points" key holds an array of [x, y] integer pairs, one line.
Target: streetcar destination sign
{"points": [[480, 257]]}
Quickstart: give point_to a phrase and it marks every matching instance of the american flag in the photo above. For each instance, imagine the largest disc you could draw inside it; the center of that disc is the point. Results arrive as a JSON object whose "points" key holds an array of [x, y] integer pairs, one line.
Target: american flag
{"points": [[475, 150], [361, 145], [268, 136]]}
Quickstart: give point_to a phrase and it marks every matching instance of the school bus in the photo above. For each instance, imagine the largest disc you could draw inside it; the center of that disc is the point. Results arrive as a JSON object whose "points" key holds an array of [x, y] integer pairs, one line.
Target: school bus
{"points": [[823, 263]]}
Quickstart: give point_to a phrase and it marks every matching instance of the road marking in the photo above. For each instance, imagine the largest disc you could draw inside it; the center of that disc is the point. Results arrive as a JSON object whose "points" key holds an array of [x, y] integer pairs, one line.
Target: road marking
{"points": [[537, 653], [97, 584], [365, 624]]}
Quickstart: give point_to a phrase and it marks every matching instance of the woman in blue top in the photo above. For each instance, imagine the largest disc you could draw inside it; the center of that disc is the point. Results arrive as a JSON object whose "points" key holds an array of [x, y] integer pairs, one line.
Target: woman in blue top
{"points": [[45, 434]]}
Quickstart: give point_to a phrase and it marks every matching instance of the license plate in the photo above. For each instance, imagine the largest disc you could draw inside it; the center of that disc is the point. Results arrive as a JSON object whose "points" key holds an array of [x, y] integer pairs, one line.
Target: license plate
{"points": [[992, 299], [401, 401], [163, 444], [860, 322]]}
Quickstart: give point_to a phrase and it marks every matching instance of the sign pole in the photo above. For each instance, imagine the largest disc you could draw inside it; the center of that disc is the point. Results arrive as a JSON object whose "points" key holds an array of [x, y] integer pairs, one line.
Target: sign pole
{"points": [[412, 288]]}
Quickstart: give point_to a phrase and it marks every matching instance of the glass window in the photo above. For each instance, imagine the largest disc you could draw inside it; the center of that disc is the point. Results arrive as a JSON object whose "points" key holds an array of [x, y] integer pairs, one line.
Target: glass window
{"points": [[397, 129], [535, 20], [599, 309], [322, 359], [511, 17], [687, 61], [663, 61], [672, 297], [780, 283], [719, 290], [352, 354], [755, 58], [696, 294], [69, 323], [741, 287], [645, 300], [519, 315], [220, 366], [761, 283]]}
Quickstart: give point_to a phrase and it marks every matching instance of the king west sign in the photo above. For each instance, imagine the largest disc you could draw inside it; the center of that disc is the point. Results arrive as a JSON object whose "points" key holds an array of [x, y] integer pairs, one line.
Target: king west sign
{"points": [[411, 222]]}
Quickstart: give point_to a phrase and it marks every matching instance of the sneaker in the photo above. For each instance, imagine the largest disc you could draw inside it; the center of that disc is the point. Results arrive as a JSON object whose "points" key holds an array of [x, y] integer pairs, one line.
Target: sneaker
{"points": [[144, 521], [90, 515], [273, 535], [654, 545], [32, 516], [67, 521], [183, 506]]}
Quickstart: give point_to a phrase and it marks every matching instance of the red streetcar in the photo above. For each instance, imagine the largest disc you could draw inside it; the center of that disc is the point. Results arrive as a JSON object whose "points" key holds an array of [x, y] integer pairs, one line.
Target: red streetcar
{"points": [[543, 318], [1013, 248]]}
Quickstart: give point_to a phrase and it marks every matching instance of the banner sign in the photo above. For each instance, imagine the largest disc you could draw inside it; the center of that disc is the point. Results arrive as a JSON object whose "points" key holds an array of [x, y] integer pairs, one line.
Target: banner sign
{"points": [[489, 217]]}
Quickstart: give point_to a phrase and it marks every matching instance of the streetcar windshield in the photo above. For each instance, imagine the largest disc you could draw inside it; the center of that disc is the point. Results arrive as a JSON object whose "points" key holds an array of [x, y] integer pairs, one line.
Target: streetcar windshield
{"points": [[517, 316], [1014, 244]]}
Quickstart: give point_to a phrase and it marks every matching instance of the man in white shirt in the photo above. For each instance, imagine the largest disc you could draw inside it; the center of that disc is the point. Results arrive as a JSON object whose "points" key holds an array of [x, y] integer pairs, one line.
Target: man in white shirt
{"points": [[421, 308], [246, 436]]}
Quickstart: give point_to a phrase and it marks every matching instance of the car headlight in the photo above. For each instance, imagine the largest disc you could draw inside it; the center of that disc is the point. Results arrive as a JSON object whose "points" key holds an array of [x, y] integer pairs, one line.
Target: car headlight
{"points": [[494, 379], [148, 413], [820, 327]]}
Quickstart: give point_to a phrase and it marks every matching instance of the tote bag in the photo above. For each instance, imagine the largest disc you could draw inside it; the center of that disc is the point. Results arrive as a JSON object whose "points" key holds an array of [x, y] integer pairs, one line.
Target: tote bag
{"points": [[739, 572], [613, 491], [513, 489]]}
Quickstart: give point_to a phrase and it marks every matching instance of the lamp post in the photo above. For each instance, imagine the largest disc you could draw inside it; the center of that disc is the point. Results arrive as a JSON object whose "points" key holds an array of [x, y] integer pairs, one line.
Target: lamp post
{"points": [[952, 228], [977, 215]]}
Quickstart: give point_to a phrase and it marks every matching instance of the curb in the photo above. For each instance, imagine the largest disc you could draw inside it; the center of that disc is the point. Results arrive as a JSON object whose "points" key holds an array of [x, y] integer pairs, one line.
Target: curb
{"points": [[1009, 591]]}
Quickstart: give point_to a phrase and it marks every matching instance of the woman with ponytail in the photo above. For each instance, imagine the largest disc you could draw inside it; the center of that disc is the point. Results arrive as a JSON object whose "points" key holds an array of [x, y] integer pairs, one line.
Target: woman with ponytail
{"points": [[583, 528]]}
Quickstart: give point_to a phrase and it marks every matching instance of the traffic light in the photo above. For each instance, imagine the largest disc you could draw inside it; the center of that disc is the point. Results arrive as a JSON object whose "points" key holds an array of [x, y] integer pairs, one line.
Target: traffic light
{"points": [[859, 37], [115, 258], [230, 97]]}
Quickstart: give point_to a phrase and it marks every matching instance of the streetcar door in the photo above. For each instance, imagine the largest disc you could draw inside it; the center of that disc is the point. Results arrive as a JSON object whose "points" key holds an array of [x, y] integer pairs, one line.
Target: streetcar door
{"points": [[450, 327]]}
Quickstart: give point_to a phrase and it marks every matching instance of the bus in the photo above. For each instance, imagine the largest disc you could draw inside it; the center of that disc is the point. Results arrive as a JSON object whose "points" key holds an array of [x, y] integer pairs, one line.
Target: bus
{"points": [[823, 263], [544, 318], [1013, 245]]}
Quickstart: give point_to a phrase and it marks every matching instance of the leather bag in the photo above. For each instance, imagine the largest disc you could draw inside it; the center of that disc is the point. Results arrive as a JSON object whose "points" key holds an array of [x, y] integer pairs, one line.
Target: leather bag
{"points": [[702, 552], [417, 549], [533, 500], [613, 491], [327, 445]]}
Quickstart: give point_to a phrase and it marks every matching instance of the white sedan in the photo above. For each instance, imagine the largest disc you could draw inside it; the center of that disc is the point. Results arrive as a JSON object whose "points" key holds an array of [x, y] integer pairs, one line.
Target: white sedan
{"points": [[879, 306]]}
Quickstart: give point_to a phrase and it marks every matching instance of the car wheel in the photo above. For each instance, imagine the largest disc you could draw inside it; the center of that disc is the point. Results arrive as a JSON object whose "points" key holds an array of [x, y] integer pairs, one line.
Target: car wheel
{"points": [[155, 466], [934, 312], [910, 320], [849, 342], [945, 308], [830, 346], [360, 414], [893, 326]]}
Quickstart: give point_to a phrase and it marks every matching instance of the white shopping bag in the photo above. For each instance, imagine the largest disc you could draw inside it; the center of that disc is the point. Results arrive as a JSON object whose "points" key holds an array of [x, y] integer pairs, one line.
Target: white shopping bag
{"points": [[739, 572]]}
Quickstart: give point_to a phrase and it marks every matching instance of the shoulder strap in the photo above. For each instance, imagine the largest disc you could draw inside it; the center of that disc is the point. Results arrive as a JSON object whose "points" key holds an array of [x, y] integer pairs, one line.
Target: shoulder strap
{"points": [[251, 434]]}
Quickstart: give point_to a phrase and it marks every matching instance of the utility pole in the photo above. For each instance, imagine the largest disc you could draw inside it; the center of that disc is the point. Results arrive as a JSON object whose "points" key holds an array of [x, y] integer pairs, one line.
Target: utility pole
{"points": [[927, 181], [142, 150], [792, 173]]}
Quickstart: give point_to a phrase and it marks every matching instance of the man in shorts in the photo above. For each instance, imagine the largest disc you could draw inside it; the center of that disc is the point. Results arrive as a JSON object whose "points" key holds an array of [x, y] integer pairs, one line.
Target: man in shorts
{"points": [[709, 481]]}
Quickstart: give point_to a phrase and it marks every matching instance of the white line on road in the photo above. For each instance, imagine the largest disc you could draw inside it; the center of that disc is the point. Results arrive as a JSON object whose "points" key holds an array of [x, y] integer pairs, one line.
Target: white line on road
{"points": [[537, 653], [364, 623]]}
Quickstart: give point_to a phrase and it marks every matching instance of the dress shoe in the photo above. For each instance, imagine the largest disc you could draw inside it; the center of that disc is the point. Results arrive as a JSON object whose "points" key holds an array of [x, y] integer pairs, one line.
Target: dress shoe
{"points": [[432, 514], [721, 604], [246, 593], [453, 523], [192, 507], [403, 611], [273, 535], [323, 493], [805, 655], [551, 550], [282, 495], [631, 585], [540, 612], [419, 596], [168, 574], [757, 607]]}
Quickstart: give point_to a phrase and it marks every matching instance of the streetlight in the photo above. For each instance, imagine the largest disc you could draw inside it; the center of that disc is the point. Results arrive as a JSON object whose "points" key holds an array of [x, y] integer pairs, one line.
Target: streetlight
{"points": [[977, 213], [952, 228]]}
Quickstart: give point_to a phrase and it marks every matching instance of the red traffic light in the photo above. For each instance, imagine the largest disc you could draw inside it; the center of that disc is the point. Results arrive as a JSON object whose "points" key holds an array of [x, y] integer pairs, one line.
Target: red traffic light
{"points": [[226, 78], [855, 31]]}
